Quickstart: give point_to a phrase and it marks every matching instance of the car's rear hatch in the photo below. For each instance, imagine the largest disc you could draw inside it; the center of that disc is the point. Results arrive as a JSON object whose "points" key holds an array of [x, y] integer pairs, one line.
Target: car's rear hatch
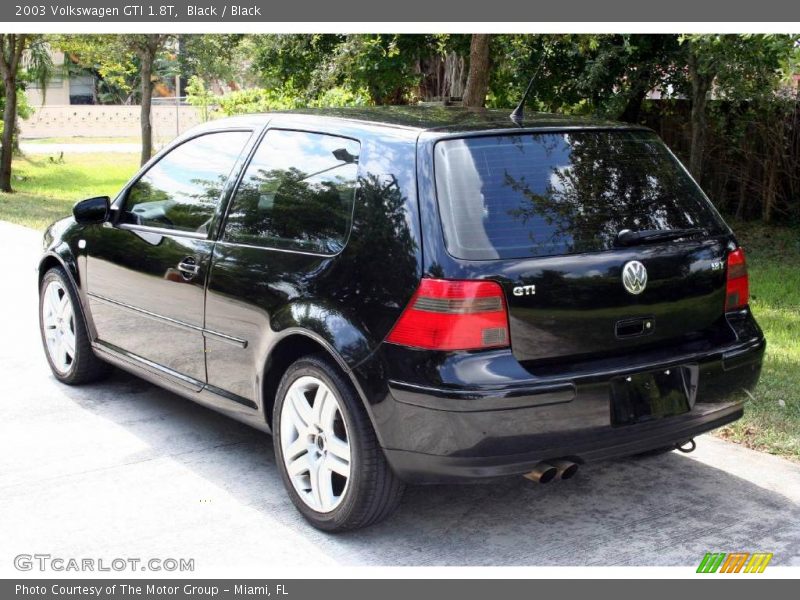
{"points": [[542, 213]]}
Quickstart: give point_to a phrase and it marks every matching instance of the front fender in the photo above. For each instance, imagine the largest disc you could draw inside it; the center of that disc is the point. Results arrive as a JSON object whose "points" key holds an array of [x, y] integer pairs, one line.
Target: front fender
{"points": [[58, 249]]}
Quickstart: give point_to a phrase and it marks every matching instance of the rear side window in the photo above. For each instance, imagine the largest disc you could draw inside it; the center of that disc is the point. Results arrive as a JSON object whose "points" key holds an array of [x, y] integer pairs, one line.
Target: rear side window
{"points": [[297, 193], [518, 196], [182, 190]]}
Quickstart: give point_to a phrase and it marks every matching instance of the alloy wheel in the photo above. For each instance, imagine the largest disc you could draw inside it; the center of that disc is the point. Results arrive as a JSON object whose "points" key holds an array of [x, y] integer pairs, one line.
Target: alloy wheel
{"points": [[315, 444], [58, 319]]}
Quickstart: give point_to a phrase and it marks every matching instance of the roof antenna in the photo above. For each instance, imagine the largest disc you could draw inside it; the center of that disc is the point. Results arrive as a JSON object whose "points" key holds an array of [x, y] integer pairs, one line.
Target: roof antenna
{"points": [[519, 112]]}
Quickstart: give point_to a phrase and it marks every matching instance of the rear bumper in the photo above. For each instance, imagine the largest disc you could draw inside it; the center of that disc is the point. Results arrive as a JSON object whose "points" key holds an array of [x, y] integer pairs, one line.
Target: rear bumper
{"points": [[430, 468], [437, 434]]}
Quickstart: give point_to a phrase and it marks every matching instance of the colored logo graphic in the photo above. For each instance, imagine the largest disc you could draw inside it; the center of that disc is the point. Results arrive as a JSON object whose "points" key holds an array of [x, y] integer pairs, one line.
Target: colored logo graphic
{"points": [[734, 562]]}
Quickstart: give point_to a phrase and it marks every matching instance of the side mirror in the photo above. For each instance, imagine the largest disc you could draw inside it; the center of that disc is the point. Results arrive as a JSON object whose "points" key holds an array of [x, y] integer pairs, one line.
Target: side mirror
{"points": [[92, 210]]}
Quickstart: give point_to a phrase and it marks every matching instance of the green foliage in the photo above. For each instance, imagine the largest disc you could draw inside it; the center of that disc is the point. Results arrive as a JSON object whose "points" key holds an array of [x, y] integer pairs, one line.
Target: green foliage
{"points": [[341, 96], [381, 64], [115, 59], [259, 100], [211, 57], [385, 66], [606, 75], [199, 96], [38, 64], [293, 60]]}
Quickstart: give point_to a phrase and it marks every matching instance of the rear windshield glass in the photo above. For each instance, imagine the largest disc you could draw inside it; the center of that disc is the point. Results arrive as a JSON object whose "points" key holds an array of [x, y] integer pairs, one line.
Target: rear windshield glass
{"points": [[544, 194]]}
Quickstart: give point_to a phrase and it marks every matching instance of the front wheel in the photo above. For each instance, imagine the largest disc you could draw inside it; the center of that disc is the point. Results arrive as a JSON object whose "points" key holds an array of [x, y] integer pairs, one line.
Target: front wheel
{"points": [[64, 336], [329, 458]]}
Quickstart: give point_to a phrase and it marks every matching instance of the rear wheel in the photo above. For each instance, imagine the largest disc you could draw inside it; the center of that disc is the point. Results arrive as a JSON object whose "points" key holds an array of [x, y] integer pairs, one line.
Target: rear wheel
{"points": [[329, 458], [64, 336]]}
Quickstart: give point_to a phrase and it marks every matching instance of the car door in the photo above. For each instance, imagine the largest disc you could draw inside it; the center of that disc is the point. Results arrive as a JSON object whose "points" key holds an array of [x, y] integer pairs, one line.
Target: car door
{"points": [[287, 221], [146, 268]]}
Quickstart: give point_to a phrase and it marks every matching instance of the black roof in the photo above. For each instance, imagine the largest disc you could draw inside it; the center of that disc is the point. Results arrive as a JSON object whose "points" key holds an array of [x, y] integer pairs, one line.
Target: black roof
{"points": [[434, 118], [438, 117]]}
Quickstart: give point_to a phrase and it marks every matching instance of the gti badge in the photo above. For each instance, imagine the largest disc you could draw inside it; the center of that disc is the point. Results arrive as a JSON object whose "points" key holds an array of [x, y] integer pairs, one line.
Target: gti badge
{"points": [[634, 277], [525, 290]]}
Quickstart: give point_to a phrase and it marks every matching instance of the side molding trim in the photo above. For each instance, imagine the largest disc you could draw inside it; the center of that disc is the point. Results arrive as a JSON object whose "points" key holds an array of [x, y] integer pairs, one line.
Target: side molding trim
{"points": [[240, 343]]}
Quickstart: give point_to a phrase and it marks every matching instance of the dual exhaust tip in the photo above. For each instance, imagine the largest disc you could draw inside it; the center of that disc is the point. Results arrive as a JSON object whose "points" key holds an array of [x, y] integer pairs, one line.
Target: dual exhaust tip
{"points": [[545, 472]]}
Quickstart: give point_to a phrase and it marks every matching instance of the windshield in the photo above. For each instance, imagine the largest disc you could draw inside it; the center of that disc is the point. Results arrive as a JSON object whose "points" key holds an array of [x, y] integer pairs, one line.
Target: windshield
{"points": [[544, 194]]}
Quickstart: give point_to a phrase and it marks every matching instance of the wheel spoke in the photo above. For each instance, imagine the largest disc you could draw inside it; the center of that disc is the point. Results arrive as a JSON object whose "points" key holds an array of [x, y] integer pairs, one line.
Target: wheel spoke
{"points": [[52, 300], [295, 449], [321, 405], [68, 341], [322, 487], [337, 465], [64, 307], [339, 448], [301, 411], [299, 466], [49, 318]]}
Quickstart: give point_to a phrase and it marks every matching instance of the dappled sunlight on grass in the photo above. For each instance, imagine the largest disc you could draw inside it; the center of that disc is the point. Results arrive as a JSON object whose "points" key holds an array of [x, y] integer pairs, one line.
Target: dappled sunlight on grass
{"points": [[46, 187]]}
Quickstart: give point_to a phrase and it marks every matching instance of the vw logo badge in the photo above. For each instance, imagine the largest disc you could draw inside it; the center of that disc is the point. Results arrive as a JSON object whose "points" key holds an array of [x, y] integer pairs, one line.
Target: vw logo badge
{"points": [[634, 277]]}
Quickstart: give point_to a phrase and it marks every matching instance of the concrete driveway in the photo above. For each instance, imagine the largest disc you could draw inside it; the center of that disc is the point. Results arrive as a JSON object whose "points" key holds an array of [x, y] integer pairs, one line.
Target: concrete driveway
{"points": [[122, 468]]}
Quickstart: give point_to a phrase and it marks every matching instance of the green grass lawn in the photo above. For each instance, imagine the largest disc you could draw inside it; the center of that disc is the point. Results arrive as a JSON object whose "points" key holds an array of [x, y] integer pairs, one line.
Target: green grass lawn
{"points": [[46, 191], [772, 417]]}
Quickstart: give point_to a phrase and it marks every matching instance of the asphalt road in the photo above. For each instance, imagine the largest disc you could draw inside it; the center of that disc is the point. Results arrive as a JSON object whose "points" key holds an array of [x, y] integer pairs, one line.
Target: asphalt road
{"points": [[122, 468]]}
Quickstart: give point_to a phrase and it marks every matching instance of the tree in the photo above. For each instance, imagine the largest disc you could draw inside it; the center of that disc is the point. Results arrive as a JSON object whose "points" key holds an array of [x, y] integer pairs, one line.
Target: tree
{"points": [[607, 75], [13, 48], [478, 78], [214, 58], [115, 57], [739, 69], [146, 46]]}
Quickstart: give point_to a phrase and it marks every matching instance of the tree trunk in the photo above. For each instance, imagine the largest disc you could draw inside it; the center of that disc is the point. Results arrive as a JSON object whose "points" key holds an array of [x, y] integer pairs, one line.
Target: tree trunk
{"points": [[701, 85], [633, 107], [11, 48], [478, 78], [9, 118], [147, 98]]}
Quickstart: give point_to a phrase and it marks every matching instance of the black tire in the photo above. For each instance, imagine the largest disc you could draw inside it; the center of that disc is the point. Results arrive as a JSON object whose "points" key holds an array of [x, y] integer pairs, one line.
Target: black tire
{"points": [[85, 366], [373, 491]]}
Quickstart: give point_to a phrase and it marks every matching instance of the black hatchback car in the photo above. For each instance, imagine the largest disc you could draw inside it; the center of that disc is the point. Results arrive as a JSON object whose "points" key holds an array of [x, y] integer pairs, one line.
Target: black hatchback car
{"points": [[413, 295]]}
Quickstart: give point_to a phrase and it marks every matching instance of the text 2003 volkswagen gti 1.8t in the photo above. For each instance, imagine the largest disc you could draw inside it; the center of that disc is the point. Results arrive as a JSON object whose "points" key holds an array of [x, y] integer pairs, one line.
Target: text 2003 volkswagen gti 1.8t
{"points": [[413, 295]]}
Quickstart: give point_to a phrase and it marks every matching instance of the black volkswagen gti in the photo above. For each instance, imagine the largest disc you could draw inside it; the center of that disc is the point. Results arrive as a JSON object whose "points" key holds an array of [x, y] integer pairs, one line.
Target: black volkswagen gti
{"points": [[413, 295]]}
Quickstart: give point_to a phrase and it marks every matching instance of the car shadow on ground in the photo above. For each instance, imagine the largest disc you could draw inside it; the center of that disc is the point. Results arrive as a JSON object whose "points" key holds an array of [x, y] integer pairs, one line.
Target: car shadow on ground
{"points": [[612, 513]]}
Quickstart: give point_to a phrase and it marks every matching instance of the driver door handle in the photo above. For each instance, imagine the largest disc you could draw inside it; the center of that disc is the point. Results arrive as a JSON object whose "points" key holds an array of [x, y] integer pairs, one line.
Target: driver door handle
{"points": [[189, 267]]}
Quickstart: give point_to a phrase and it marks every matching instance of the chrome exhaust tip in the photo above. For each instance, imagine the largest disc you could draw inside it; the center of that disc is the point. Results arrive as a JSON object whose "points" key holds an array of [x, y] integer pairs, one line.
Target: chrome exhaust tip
{"points": [[566, 469], [542, 473]]}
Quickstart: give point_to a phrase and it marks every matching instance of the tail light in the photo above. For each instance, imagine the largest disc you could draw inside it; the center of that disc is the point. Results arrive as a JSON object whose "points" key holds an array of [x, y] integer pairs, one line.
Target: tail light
{"points": [[738, 286], [453, 315]]}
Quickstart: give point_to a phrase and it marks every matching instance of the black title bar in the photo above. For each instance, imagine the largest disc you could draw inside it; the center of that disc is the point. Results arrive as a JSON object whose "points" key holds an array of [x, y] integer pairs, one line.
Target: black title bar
{"points": [[449, 11]]}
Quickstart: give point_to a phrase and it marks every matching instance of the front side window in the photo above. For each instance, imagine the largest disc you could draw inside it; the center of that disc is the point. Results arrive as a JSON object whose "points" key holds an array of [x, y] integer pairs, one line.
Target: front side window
{"points": [[182, 190], [297, 193]]}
